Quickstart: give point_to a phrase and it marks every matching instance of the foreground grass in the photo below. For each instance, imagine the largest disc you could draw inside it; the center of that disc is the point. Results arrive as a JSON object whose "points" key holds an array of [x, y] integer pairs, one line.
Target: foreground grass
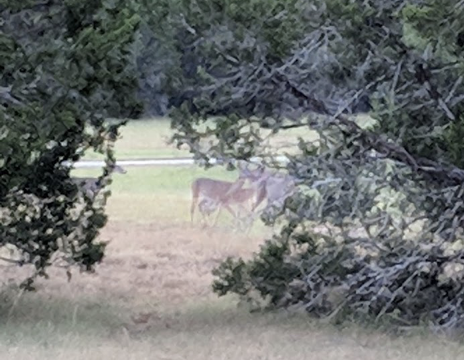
{"points": [[214, 330]]}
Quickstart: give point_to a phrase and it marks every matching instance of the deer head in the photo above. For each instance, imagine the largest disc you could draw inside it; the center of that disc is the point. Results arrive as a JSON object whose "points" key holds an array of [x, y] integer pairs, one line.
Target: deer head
{"points": [[253, 175]]}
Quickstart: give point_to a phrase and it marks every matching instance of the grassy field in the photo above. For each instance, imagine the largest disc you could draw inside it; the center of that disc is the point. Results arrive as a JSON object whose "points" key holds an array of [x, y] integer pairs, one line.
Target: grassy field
{"points": [[143, 139], [151, 298]]}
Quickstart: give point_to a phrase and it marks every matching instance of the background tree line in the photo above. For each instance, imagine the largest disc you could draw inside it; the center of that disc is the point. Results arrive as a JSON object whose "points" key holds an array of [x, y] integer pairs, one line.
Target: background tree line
{"points": [[174, 55]]}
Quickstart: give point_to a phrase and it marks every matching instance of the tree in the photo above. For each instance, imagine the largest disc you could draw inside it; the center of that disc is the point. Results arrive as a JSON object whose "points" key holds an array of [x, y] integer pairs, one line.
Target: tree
{"points": [[65, 67], [169, 51], [389, 196], [155, 53]]}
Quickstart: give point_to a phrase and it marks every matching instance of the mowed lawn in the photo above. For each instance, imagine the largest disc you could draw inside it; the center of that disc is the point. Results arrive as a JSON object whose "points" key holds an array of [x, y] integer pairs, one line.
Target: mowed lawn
{"points": [[144, 139], [151, 298], [149, 138]]}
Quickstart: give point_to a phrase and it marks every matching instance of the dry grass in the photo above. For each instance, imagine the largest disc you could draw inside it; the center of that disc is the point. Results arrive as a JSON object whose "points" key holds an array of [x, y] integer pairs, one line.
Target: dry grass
{"points": [[151, 299]]}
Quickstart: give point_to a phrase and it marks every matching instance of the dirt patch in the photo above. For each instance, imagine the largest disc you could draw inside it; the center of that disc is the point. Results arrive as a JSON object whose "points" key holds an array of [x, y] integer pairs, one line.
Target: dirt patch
{"points": [[148, 263]]}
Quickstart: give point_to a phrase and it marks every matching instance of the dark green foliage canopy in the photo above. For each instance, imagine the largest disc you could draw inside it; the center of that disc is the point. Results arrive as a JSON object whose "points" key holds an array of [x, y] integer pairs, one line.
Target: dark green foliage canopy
{"points": [[174, 43]]}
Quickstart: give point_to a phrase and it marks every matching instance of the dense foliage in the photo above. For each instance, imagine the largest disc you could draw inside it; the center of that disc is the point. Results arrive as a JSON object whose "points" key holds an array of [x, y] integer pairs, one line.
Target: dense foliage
{"points": [[377, 218], [173, 51], [65, 67]]}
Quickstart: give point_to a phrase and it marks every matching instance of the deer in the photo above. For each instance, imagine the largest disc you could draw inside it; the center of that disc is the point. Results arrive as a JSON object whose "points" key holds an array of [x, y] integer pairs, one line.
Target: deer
{"points": [[212, 191], [90, 185], [273, 187], [240, 198]]}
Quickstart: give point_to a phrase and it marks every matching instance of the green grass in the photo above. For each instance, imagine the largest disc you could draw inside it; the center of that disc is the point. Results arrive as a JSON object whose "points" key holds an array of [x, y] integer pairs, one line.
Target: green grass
{"points": [[143, 139], [147, 193], [159, 179], [211, 331]]}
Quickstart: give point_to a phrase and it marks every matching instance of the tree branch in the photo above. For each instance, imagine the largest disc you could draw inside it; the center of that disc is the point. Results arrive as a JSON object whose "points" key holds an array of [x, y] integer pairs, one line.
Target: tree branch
{"points": [[446, 172]]}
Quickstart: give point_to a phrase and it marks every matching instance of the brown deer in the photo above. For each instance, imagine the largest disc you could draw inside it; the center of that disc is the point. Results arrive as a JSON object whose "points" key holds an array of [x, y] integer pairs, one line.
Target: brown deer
{"points": [[212, 193], [272, 187]]}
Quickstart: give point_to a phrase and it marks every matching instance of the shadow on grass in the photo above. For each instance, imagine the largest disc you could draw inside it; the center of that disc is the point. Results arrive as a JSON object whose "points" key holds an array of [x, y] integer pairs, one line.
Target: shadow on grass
{"points": [[43, 323], [38, 316]]}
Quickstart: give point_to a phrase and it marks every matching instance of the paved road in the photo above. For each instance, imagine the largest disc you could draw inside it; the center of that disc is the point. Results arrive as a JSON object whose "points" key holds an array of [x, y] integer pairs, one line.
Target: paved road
{"points": [[152, 162]]}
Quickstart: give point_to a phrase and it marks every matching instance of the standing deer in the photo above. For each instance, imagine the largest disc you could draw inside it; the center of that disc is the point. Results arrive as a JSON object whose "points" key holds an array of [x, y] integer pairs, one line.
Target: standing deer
{"points": [[91, 185], [273, 187], [241, 197], [212, 193]]}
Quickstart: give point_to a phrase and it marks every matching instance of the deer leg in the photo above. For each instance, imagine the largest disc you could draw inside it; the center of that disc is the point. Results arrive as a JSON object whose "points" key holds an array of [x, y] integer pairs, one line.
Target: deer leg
{"points": [[230, 210], [192, 208], [207, 217], [249, 219], [238, 218], [262, 193], [250, 223], [242, 214], [217, 215], [235, 214], [204, 221], [207, 207]]}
